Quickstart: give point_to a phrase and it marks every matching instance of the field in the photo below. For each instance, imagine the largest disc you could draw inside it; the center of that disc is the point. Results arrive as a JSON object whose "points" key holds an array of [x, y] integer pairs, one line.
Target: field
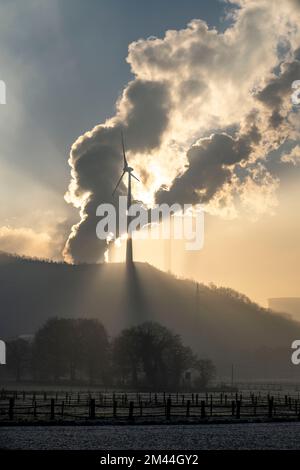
{"points": [[176, 437]]}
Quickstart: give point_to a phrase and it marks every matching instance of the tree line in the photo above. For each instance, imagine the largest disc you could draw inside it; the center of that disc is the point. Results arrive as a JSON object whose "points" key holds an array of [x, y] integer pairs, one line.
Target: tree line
{"points": [[80, 351]]}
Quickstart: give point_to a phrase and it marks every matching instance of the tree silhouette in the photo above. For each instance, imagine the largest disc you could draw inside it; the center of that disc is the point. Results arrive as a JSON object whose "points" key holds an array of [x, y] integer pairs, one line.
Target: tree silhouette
{"points": [[93, 346], [64, 348], [54, 349], [78, 350], [126, 357], [151, 355]]}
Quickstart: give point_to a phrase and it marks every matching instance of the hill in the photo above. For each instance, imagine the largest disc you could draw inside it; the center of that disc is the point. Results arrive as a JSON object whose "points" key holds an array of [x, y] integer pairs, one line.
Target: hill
{"points": [[217, 322]]}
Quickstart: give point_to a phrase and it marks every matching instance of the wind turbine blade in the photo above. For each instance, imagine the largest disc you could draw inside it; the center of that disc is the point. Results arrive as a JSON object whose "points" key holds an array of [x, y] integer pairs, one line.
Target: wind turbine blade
{"points": [[135, 177], [118, 183], [124, 153]]}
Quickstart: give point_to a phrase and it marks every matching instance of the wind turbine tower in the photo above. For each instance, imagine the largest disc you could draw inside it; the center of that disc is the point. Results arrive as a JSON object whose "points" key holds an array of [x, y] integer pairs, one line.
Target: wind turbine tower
{"points": [[127, 169]]}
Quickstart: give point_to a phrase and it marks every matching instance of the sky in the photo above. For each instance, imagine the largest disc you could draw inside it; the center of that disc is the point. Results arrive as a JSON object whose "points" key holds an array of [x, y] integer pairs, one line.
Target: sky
{"points": [[64, 65], [206, 110]]}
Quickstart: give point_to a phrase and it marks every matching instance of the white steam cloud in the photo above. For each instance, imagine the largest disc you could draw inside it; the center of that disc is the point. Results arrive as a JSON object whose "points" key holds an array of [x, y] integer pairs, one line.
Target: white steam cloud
{"points": [[201, 115]]}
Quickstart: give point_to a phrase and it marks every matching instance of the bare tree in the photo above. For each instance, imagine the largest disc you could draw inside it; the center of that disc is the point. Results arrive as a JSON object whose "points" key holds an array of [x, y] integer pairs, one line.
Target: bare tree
{"points": [[151, 355]]}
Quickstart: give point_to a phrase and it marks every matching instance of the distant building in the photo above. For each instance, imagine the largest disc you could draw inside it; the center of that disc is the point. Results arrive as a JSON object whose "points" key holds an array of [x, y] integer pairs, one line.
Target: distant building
{"points": [[290, 305]]}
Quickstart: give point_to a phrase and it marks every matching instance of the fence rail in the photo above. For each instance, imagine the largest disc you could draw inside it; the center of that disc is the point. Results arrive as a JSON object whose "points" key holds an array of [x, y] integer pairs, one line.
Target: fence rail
{"points": [[63, 406]]}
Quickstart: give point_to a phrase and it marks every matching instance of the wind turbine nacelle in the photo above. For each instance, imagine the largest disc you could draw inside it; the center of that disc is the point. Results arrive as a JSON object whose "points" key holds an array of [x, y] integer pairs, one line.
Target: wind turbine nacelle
{"points": [[128, 168]]}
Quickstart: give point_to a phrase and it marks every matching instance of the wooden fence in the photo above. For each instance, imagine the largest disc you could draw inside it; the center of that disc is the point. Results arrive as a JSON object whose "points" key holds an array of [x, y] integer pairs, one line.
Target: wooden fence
{"points": [[74, 406]]}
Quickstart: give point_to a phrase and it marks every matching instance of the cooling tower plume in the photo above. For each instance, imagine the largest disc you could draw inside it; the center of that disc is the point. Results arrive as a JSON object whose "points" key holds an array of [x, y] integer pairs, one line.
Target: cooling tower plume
{"points": [[201, 116]]}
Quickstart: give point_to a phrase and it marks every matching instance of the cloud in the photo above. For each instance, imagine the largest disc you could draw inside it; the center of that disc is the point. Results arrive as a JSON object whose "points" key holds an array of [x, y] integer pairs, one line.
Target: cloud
{"points": [[293, 156], [203, 107], [46, 240], [25, 241]]}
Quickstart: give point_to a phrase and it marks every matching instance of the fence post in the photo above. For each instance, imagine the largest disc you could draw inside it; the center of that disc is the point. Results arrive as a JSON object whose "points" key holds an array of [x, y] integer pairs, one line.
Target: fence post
{"points": [[197, 399], [168, 409], [92, 408], [34, 409], [188, 404], [52, 409], [131, 407], [11, 408], [211, 405], [202, 409], [141, 408], [232, 408], [62, 408], [270, 407], [238, 409], [115, 404]]}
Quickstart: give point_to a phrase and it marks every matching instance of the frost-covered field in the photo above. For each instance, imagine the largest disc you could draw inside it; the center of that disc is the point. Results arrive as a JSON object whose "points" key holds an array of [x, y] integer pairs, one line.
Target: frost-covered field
{"points": [[187, 437]]}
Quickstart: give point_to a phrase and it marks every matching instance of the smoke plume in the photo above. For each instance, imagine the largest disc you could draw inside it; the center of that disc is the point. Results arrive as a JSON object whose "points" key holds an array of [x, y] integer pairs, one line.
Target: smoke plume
{"points": [[205, 108]]}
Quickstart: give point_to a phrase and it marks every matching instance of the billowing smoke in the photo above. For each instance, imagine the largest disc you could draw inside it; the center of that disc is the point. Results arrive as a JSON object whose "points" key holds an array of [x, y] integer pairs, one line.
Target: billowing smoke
{"points": [[274, 95], [210, 166], [97, 163], [202, 113], [216, 160]]}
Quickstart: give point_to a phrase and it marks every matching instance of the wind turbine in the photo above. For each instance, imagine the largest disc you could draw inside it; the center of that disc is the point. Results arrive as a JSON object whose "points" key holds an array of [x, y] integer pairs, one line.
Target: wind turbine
{"points": [[129, 170]]}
